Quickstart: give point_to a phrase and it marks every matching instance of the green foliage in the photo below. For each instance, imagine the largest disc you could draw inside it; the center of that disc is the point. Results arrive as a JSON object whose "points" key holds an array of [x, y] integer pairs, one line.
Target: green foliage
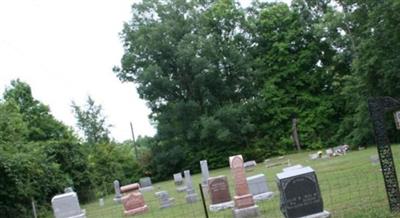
{"points": [[40, 156], [41, 124], [92, 122], [222, 80]]}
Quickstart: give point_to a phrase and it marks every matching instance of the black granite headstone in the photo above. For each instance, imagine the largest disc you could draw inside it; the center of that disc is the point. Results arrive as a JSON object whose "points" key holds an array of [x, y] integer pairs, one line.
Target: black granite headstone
{"points": [[300, 193]]}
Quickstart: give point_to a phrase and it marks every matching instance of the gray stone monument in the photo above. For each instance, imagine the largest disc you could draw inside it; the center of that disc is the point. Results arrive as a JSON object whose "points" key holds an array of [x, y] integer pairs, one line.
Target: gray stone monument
{"points": [[101, 202], [118, 195], [249, 165], [165, 200], [68, 189], [145, 184], [179, 183], [374, 159], [191, 196], [67, 206], [258, 188], [204, 172], [300, 194]]}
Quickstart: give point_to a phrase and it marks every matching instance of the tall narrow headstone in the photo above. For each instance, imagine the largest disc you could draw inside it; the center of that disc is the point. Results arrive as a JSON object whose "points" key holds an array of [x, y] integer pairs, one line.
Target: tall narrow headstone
{"points": [[244, 203], [219, 193], [118, 196], [204, 172], [66, 206], [191, 196], [300, 194]]}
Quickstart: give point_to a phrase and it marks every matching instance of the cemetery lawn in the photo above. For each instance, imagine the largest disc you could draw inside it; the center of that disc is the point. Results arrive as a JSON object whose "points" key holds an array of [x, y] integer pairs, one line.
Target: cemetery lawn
{"points": [[351, 186]]}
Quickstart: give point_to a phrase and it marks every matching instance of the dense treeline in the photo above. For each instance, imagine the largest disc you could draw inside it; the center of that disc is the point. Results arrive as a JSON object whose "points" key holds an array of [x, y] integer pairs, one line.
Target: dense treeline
{"points": [[40, 156], [221, 79]]}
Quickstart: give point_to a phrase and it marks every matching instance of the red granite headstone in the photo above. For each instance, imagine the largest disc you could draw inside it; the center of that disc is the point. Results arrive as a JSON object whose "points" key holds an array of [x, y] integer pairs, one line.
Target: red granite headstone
{"points": [[134, 203], [243, 197], [219, 189]]}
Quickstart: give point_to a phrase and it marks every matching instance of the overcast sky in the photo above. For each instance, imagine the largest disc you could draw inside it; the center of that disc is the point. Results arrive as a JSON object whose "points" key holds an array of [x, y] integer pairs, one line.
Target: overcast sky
{"points": [[65, 51]]}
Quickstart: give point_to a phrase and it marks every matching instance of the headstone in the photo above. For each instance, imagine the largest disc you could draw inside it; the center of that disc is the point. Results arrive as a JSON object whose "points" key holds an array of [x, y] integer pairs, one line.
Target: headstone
{"points": [[134, 203], [374, 159], [179, 183], [204, 172], [145, 184], [130, 188], [250, 165], [397, 119], [329, 152], [300, 194], [244, 202], [340, 150], [191, 196], [118, 196], [219, 193], [101, 202], [165, 200], [258, 187], [68, 189], [314, 156], [67, 206]]}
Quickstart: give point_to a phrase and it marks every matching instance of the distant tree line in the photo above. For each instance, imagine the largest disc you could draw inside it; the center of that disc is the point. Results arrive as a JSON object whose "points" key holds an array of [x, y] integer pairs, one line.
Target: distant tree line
{"points": [[221, 79]]}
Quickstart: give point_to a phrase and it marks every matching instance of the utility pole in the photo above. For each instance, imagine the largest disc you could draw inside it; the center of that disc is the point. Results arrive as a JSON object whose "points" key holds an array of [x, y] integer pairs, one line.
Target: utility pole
{"points": [[295, 134], [134, 144]]}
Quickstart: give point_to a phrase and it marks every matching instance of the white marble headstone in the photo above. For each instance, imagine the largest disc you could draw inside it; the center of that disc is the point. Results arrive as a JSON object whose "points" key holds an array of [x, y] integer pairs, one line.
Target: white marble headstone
{"points": [[67, 205]]}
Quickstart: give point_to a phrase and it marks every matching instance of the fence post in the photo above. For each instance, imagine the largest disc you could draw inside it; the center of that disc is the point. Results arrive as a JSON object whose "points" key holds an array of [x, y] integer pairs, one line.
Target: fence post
{"points": [[203, 200], [34, 208]]}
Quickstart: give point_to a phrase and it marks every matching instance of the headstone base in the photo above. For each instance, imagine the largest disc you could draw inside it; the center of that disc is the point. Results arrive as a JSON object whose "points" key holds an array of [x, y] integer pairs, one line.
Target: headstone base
{"points": [[79, 216], [243, 201], [181, 188], [135, 211], [221, 206], [191, 198], [205, 189], [248, 212], [167, 204], [146, 189], [324, 214], [263, 196], [118, 200]]}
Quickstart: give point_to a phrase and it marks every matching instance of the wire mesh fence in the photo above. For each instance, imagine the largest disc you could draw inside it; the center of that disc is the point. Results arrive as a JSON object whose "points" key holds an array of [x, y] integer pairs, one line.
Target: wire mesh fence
{"points": [[346, 192]]}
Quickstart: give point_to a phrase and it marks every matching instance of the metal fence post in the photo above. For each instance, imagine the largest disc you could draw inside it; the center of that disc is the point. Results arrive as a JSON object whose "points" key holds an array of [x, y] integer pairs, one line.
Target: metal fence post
{"points": [[203, 200]]}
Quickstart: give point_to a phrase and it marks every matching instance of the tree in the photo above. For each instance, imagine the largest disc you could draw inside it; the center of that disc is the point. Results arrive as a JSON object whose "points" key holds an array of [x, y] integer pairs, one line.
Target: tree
{"points": [[92, 122], [41, 124]]}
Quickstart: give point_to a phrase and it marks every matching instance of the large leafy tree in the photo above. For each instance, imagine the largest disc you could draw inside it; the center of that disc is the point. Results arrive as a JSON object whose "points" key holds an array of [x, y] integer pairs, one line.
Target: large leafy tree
{"points": [[372, 27], [297, 56], [190, 61], [40, 122]]}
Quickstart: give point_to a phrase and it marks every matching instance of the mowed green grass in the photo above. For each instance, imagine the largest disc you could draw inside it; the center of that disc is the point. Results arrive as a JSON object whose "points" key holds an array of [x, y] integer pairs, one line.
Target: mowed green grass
{"points": [[351, 187]]}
